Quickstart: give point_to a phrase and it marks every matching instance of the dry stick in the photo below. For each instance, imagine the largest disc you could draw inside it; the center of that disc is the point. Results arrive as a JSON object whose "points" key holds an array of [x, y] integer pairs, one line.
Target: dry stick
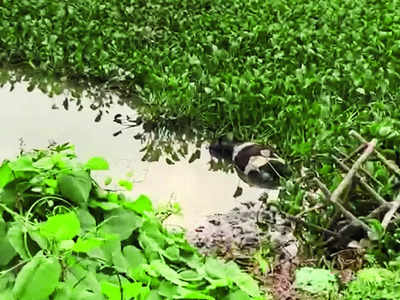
{"points": [[301, 221], [376, 212], [389, 215], [347, 181], [315, 207], [323, 188], [390, 165], [379, 210], [365, 171], [327, 194], [347, 157], [362, 181]]}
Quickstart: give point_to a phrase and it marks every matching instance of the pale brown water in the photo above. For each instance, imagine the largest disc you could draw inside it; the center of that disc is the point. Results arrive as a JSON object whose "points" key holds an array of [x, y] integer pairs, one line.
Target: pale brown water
{"points": [[29, 115]]}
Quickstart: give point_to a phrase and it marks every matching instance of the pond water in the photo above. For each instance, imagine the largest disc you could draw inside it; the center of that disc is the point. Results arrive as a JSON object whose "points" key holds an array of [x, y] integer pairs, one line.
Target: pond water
{"points": [[37, 119]]}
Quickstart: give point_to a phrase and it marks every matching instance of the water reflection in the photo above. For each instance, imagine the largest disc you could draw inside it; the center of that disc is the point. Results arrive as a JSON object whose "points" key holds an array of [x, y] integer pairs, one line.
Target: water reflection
{"points": [[165, 164]]}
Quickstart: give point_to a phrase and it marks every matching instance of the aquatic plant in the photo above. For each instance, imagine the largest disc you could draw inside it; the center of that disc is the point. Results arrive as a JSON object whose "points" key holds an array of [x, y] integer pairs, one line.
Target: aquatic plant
{"points": [[298, 73], [64, 237]]}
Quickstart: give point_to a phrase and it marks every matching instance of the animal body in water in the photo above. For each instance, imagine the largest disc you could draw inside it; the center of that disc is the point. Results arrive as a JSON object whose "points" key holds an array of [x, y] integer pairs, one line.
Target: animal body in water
{"points": [[255, 164]]}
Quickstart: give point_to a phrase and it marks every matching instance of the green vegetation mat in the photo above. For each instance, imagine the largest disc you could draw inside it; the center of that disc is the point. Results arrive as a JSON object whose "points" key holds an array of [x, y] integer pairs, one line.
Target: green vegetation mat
{"points": [[62, 237], [298, 73]]}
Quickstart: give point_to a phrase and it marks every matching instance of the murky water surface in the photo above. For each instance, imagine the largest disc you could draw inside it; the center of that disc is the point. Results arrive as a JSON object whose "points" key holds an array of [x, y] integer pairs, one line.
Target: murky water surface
{"points": [[38, 119]]}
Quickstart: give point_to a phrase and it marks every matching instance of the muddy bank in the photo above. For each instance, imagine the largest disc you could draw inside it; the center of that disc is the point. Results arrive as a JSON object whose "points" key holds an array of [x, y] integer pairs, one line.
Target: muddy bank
{"points": [[241, 231]]}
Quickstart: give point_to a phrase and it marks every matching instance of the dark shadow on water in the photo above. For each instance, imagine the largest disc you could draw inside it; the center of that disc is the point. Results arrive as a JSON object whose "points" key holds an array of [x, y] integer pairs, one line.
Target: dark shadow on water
{"points": [[160, 140]]}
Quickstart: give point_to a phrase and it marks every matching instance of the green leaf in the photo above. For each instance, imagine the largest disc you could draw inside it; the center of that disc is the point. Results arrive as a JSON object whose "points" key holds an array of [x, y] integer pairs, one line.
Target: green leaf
{"points": [[86, 245], [70, 292], [121, 222], [45, 163], [140, 205], [75, 186], [6, 294], [8, 195], [315, 280], [61, 227], [6, 284], [15, 236], [377, 231], [134, 256], [6, 249], [237, 295], [190, 275], [23, 164], [215, 268], [97, 163], [37, 279], [135, 260], [113, 291], [243, 280], [87, 221], [38, 238], [66, 244], [167, 272], [185, 293], [6, 175]]}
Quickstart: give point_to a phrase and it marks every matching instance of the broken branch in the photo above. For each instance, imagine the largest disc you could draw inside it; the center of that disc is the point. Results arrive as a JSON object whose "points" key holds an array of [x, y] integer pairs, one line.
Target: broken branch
{"points": [[389, 215], [347, 181], [393, 167], [362, 181]]}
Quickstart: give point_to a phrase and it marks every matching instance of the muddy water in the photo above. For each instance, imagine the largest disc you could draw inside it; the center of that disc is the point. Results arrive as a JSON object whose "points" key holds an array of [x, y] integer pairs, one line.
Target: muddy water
{"points": [[38, 119]]}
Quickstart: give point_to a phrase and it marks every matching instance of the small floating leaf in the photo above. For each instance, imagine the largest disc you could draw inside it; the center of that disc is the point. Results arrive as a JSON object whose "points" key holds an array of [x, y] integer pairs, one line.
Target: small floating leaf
{"points": [[97, 163], [128, 185], [108, 180]]}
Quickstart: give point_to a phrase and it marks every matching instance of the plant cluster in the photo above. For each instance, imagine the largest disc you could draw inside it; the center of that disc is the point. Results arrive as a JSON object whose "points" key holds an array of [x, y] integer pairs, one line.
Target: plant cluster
{"points": [[293, 71], [63, 237], [370, 283]]}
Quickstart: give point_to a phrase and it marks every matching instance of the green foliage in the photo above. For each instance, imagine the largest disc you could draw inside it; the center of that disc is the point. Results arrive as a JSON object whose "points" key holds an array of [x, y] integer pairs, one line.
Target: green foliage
{"points": [[61, 237], [38, 278], [316, 281], [374, 283], [61, 227], [299, 72]]}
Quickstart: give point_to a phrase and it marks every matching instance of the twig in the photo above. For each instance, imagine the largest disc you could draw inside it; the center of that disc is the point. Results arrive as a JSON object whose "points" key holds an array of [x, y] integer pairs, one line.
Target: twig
{"points": [[347, 157], [344, 232], [390, 165], [379, 210], [347, 181], [319, 228], [323, 188], [327, 194], [315, 207], [389, 215], [362, 182], [365, 171]]}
